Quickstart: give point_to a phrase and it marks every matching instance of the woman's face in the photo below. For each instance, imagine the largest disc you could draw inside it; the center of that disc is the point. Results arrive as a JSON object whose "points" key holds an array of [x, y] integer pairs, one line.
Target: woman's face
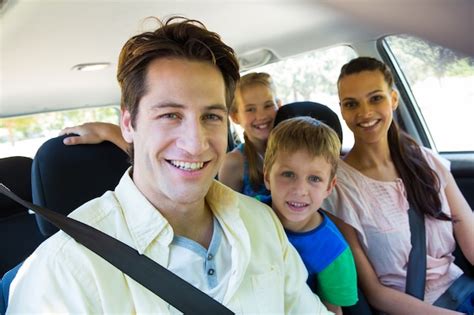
{"points": [[367, 105], [256, 111]]}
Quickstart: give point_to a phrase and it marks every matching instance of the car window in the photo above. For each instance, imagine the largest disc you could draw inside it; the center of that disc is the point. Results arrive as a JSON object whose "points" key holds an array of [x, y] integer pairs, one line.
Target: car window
{"points": [[24, 135], [312, 76], [442, 86]]}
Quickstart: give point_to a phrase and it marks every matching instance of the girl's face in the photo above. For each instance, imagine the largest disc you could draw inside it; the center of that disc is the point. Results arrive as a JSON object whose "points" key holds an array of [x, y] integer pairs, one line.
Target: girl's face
{"points": [[367, 105], [256, 111]]}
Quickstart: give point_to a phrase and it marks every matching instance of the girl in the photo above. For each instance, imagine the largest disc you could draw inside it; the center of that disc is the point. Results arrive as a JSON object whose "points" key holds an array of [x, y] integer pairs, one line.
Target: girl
{"points": [[384, 173], [254, 109]]}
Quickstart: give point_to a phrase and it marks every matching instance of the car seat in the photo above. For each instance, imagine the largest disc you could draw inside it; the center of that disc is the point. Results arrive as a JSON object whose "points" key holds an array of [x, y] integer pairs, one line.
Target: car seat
{"points": [[64, 177], [18, 230], [316, 110]]}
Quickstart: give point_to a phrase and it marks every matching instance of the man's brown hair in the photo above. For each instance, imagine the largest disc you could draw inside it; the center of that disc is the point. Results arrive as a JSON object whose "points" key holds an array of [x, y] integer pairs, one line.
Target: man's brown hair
{"points": [[177, 37]]}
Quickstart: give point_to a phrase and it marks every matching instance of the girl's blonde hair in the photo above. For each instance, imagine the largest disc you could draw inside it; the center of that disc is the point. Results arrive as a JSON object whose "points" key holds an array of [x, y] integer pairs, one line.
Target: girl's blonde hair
{"points": [[248, 80], [307, 134]]}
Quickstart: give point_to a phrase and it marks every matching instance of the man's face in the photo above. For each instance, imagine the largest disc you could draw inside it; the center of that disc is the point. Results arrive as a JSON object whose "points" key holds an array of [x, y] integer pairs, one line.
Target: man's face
{"points": [[180, 133]]}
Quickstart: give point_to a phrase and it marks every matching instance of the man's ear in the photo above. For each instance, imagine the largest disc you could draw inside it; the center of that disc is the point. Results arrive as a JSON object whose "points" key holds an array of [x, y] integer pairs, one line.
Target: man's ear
{"points": [[126, 125], [234, 117], [266, 179], [394, 96]]}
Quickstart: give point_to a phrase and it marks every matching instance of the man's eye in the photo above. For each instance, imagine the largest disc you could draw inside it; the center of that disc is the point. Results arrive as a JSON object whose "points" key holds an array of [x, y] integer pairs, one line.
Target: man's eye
{"points": [[314, 179], [169, 116], [214, 117]]}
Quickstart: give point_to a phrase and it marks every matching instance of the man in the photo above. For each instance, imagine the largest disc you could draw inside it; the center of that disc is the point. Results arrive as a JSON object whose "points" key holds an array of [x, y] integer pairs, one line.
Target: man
{"points": [[177, 83]]}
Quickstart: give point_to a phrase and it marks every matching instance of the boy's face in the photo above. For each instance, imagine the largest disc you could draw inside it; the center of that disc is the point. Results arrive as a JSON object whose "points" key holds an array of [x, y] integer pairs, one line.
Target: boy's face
{"points": [[299, 183]]}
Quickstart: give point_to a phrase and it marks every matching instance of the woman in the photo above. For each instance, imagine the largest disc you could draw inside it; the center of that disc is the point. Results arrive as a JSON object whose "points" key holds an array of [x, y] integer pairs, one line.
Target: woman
{"points": [[384, 173]]}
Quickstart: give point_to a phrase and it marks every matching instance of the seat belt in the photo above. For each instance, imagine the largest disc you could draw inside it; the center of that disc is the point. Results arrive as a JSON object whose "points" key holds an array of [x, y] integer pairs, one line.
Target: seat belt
{"points": [[416, 269], [159, 280]]}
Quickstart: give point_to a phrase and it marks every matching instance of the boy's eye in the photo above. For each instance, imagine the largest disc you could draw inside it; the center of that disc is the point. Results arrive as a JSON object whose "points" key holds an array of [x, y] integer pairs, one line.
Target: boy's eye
{"points": [[288, 174], [314, 179]]}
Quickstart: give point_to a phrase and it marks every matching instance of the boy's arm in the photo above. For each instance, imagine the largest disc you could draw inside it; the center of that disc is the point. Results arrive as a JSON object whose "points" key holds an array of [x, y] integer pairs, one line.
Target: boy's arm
{"points": [[333, 308], [337, 283]]}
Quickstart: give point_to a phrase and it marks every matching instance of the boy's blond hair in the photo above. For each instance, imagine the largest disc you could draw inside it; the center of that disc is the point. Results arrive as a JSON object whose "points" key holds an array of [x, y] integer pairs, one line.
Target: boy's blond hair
{"points": [[303, 133]]}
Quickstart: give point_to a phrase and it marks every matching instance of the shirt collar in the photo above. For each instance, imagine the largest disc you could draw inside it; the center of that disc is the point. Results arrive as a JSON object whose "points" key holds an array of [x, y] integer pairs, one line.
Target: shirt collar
{"points": [[144, 221]]}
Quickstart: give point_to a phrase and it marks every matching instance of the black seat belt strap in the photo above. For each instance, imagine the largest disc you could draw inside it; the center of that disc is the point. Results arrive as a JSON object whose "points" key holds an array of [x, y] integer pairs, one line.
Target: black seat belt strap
{"points": [[416, 269], [142, 269]]}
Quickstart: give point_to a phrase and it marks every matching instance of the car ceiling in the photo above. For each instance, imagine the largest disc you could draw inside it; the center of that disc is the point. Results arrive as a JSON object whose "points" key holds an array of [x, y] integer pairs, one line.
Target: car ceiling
{"points": [[40, 41]]}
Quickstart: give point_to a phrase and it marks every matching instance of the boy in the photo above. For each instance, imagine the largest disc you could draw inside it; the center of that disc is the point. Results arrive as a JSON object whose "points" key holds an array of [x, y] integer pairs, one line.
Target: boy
{"points": [[299, 170]]}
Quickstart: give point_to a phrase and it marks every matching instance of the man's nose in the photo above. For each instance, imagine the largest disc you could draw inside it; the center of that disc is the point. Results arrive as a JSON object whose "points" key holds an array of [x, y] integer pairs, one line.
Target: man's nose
{"points": [[194, 138]]}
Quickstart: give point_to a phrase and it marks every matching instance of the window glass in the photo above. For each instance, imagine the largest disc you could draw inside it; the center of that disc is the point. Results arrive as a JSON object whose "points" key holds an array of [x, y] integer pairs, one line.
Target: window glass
{"points": [[312, 77], [442, 83], [24, 135]]}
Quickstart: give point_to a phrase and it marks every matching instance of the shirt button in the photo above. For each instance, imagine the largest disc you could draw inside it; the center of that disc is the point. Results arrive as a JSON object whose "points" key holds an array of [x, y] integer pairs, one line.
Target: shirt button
{"points": [[210, 272], [209, 257]]}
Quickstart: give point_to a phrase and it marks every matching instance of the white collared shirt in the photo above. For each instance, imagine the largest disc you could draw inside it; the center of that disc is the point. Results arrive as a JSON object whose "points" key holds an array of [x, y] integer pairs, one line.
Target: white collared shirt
{"points": [[266, 275]]}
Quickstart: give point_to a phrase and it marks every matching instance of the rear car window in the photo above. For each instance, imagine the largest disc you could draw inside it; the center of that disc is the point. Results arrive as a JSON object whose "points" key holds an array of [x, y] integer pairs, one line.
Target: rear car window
{"points": [[24, 135], [312, 76], [442, 85]]}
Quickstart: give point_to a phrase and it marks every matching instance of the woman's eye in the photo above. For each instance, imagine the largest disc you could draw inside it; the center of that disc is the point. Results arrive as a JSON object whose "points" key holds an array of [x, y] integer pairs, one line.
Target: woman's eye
{"points": [[349, 104], [314, 179], [376, 98], [250, 110]]}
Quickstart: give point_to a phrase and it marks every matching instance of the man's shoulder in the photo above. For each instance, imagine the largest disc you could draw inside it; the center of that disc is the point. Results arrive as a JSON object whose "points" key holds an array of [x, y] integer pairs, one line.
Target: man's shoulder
{"points": [[96, 213], [248, 208]]}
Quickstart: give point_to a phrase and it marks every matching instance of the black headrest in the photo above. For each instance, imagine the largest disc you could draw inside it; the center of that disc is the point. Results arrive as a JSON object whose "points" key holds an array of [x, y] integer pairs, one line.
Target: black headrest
{"points": [[65, 177], [318, 111], [15, 173]]}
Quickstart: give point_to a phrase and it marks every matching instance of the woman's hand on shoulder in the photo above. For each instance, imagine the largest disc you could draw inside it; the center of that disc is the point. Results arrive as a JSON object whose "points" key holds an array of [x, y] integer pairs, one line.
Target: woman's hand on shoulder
{"points": [[231, 172]]}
